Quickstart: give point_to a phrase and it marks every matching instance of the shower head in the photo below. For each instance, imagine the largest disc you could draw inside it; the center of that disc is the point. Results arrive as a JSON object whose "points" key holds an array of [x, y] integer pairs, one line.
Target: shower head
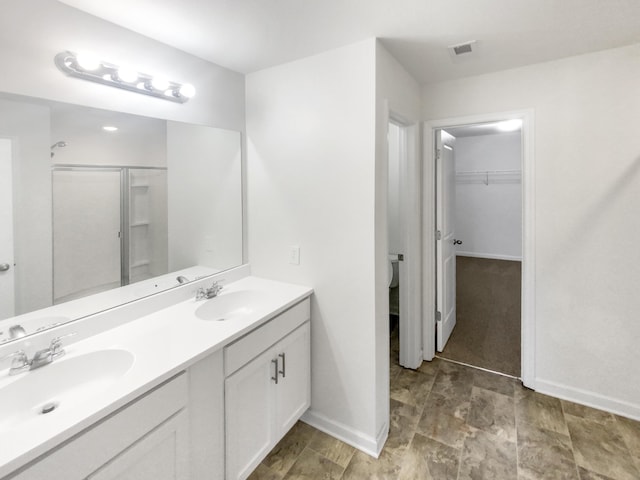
{"points": [[59, 144]]}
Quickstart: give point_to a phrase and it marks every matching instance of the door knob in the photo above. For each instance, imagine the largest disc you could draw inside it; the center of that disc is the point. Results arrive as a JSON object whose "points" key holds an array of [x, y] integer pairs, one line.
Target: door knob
{"points": [[457, 242], [4, 267]]}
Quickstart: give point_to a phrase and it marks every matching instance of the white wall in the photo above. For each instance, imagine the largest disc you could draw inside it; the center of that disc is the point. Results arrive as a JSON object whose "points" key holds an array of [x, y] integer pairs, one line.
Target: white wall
{"points": [[311, 182], [587, 165], [32, 32], [398, 96], [139, 141], [204, 197], [489, 217]]}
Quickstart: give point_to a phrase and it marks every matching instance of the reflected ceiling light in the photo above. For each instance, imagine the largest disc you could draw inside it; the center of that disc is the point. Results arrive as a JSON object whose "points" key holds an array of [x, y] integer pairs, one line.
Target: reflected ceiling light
{"points": [[510, 125], [110, 128], [88, 67]]}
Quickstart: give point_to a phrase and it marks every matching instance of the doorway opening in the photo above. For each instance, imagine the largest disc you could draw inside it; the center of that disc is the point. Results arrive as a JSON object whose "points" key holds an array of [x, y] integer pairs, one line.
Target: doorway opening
{"points": [[482, 285]]}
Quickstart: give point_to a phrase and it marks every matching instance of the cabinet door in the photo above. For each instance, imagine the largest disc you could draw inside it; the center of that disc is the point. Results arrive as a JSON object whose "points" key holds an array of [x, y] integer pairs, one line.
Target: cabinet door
{"points": [[161, 455], [249, 415], [293, 392]]}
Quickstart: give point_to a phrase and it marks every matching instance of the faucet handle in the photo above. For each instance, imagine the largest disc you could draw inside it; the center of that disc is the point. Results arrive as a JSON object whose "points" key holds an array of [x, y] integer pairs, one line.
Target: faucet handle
{"points": [[56, 345], [20, 362]]}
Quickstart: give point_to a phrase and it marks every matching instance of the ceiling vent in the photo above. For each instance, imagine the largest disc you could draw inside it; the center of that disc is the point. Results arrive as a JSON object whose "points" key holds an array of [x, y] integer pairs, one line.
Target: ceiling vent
{"points": [[462, 49]]}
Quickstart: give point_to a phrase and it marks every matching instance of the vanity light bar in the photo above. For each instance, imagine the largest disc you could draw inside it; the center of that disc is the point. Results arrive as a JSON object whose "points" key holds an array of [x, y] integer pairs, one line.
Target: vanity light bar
{"points": [[115, 76]]}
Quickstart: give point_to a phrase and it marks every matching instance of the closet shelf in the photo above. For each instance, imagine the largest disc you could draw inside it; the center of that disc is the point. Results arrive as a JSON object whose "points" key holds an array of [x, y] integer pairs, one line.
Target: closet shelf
{"points": [[487, 177]]}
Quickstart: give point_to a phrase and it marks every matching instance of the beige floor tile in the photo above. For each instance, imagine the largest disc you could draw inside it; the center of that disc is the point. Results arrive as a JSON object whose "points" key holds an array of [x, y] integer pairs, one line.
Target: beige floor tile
{"points": [[332, 448], [403, 419], [587, 475], [630, 431], [543, 454], [540, 410], [411, 387], [365, 467], [486, 456], [264, 473], [601, 450], [427, 459], [453, 380], [430, 367], [495, 383], [493, 412], [444, 420], [285, 453], [587, 413], [310, 465]]}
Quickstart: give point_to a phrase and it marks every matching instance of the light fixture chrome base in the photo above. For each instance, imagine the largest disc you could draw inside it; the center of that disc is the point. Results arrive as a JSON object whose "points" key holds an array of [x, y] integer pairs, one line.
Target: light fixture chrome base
{"points": [[108, 74]]}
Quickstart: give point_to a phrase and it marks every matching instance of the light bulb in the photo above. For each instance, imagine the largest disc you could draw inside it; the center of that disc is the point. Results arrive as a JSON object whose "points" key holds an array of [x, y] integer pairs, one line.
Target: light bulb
{"points": [[127, 75], [187, 90], [510, 125], [160, 83], [87, 62]]}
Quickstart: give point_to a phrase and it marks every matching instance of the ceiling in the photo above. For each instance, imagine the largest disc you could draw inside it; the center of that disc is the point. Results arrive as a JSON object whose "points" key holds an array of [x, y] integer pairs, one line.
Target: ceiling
{"points": [[250, 35]]}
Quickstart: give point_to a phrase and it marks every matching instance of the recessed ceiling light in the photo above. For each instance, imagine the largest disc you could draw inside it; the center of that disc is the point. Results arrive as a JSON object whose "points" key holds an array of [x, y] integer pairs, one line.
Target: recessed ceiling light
{"points": [[109, 128]]}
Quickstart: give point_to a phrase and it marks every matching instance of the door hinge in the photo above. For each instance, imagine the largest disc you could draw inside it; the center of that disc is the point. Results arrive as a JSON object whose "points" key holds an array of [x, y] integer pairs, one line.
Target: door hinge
{"points": [[438, 316], [438, 235], [438, 153]]}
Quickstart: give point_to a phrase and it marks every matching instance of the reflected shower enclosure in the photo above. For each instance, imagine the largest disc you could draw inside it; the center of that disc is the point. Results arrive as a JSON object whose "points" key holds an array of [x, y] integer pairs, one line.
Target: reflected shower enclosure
{"points": [[109, 228]]}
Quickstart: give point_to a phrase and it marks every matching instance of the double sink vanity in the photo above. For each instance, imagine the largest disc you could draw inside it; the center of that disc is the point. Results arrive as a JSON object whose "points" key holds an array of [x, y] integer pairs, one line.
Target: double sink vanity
{"points": [[167, 387]]}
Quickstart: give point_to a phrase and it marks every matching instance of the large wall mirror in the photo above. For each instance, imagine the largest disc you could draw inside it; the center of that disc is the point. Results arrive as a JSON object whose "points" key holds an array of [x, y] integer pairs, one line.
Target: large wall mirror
{"points": [[99, 208]]}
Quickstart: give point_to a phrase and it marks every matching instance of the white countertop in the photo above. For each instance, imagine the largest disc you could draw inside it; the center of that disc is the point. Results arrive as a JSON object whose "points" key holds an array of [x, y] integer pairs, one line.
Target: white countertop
{"points": [[163, 343]]}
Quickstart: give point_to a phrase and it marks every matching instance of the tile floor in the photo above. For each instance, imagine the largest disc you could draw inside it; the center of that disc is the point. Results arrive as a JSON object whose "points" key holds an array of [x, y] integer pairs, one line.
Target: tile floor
{"points": [[454, 422]]}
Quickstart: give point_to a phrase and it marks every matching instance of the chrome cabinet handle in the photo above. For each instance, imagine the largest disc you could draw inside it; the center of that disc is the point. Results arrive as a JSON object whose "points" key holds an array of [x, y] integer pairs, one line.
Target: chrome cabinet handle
{"points": [[284, 365], [275, 361], [4, 267]]}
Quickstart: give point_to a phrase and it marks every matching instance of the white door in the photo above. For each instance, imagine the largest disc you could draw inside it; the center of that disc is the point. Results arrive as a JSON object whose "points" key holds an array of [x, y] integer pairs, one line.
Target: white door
{"points": [[445, 239], [293, 392], [86, 232], [7, 296], [249, 415]]}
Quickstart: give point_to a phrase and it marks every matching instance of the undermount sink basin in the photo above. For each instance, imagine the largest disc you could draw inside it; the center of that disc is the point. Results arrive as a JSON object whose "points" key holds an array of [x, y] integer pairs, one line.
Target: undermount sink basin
{"points": [[231, 305], [60, 385]]}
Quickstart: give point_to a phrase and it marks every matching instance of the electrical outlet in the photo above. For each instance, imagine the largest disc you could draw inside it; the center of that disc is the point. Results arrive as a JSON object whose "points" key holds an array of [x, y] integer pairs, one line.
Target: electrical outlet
{"points": [[294, 255]]}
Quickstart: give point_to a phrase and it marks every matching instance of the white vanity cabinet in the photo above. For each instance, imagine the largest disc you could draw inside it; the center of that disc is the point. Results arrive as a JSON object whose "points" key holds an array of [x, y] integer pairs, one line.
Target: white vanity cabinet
{"points": [[267, 388], [146, 440]]}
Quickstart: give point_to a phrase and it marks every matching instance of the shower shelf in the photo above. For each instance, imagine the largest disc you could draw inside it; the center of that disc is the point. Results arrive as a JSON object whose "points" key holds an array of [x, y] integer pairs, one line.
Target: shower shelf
{"points": [[488, 177], [140, 263], [140, 224], [140, 185]]}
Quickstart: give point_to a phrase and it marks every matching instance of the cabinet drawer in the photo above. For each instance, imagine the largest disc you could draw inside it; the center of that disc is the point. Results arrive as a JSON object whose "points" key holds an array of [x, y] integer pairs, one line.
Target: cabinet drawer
{"points": [[254, 343], [91, 449]]}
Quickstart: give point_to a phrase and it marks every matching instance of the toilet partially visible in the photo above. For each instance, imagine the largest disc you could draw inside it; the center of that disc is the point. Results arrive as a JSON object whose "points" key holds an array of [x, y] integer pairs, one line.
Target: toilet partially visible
{"points": [[393, 270]]}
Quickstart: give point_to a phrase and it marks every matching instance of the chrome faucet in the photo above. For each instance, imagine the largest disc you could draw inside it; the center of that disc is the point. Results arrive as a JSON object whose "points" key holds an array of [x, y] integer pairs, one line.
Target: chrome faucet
{"points": [[210, 292], [16, 331], [41, 358]]}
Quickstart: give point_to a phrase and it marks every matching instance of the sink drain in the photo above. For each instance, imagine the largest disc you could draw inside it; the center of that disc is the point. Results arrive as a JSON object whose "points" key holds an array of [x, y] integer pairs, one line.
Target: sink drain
{"points": [[48, 407]]}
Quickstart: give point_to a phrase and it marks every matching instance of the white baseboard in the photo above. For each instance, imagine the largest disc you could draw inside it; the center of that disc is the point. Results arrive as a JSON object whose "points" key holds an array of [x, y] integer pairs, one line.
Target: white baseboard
{"points": [[492, 256], [366, 443], [590, 399]]}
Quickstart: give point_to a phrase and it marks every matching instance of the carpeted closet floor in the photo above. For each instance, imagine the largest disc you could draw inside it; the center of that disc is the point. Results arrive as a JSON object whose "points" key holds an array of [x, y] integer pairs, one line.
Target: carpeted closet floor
{"points": [[487, 331]]}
